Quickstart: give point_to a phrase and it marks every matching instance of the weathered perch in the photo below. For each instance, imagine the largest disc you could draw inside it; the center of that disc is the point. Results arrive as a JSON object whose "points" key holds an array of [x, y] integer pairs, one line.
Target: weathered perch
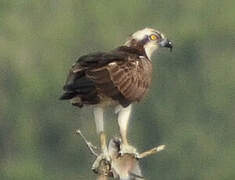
{"points": [[122, 167]]}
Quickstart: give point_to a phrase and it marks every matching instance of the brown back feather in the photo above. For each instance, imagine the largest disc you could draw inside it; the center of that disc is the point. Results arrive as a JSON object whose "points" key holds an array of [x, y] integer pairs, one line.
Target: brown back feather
{"points": [[123, 75], [131, 78]]}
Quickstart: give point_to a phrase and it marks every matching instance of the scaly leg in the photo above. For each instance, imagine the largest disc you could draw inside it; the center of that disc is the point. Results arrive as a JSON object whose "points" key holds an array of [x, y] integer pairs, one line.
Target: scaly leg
{"points": [[123, 118], [99, 120]]}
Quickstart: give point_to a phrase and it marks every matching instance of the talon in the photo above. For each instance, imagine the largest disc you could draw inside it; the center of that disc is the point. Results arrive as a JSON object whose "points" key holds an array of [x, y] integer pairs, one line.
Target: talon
{"points": [[127, 149], [137, 155]]}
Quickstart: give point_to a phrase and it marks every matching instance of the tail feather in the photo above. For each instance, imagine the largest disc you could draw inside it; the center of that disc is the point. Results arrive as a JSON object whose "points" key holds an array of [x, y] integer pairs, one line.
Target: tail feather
{"points": [[67, 95]]}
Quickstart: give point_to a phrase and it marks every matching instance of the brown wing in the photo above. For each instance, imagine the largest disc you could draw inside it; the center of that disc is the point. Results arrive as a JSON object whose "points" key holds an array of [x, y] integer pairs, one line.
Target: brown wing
{"points": [[119, 76], [87, 89], [130, 78]]}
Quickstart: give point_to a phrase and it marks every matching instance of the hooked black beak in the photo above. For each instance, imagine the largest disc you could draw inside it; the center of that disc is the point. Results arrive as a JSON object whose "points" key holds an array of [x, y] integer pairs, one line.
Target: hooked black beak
{"points": [[166, 43]]}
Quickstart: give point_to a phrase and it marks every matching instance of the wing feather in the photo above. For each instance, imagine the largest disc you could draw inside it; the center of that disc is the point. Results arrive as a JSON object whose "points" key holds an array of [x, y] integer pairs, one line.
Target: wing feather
{"points": [[132, 78], [121, 76]]}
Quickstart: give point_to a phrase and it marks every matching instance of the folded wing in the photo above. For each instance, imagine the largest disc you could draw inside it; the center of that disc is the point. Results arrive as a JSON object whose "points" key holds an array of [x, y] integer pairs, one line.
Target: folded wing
{"points": [[121, 76]]}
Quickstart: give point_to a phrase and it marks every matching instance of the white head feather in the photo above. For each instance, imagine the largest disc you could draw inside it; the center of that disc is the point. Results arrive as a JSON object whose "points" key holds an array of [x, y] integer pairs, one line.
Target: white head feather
{"points": [[150, 46]]}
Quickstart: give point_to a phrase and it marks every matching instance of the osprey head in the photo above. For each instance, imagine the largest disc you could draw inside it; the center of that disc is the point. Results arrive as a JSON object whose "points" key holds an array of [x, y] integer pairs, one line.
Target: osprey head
{"points": [[148, 40]]}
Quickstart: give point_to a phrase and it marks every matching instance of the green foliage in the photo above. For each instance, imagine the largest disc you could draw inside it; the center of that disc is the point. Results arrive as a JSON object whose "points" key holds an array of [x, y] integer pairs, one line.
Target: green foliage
{"points": [[190, 106]]}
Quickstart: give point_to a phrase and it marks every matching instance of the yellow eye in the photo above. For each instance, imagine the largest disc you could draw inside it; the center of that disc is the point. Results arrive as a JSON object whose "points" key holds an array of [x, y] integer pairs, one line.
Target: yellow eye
{"points": [[153, 37]]}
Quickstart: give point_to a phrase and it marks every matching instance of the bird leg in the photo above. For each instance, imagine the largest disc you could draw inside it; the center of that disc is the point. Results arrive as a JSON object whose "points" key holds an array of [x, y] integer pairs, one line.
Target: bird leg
{"points": [[123, 118], [103, 158]]}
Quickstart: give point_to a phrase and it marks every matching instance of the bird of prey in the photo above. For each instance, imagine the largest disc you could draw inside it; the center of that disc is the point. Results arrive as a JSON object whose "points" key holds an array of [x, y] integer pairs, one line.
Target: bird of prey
{"points": [[117, 78]]}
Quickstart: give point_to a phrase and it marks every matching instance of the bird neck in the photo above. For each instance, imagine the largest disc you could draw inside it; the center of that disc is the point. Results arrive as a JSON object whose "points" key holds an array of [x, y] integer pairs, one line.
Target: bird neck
{"points": [[134, 47]]}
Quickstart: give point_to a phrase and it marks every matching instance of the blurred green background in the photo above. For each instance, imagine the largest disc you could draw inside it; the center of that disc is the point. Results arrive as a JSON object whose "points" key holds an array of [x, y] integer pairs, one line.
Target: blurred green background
{"points": [[190, 107]]}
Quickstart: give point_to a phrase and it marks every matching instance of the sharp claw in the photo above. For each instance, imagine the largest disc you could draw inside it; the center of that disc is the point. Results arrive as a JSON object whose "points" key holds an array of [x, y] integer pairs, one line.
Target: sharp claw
{"points": [[137, 155], [127, 149]]}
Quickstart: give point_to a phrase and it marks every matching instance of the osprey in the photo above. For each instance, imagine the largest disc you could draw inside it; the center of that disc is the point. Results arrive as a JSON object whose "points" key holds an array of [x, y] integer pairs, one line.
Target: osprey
{"points": [[116, 78]]}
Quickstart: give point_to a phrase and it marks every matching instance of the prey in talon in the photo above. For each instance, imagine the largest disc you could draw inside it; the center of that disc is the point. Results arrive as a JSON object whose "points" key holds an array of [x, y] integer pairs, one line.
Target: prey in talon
{"points": [[117, 78]]}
